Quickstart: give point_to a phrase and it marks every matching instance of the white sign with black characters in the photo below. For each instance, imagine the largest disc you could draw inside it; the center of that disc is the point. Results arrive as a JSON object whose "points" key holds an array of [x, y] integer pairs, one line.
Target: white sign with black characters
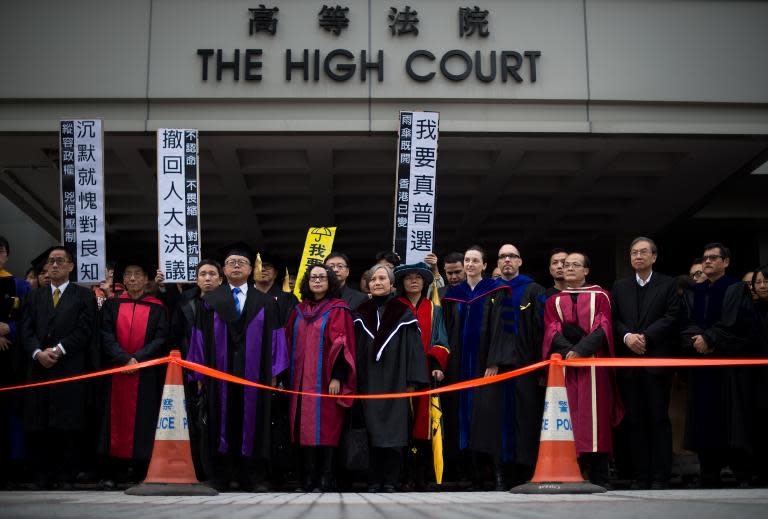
{"points": [[416, 185], [178, 204], [81, 163]]}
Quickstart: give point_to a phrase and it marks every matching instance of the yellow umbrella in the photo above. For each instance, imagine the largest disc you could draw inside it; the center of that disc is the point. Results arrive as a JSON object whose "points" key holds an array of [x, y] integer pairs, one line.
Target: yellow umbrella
{"points": [[436, 430]]}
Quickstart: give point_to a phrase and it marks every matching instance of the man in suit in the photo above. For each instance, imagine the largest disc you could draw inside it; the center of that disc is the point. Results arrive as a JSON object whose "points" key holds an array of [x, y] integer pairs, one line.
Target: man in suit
{"points": [[645, 308], [339, 263], [58, 322]]}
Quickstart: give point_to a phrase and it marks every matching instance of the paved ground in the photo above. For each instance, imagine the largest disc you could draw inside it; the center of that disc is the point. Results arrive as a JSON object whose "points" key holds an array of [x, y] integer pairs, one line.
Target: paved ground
{"points": [[694, 504]]}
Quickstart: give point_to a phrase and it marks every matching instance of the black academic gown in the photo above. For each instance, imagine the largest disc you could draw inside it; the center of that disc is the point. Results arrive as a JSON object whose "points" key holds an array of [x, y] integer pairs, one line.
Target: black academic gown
{"points": [[720, 407], [472, 418], [354, 298], [124, 312], [518, 341], [390, 357], [236, 345], [286, 302], [61, 406]]}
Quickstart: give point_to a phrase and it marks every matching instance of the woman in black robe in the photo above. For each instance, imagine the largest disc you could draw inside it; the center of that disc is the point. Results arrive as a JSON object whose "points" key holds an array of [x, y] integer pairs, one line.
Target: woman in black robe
{"points": [[390, 359]]}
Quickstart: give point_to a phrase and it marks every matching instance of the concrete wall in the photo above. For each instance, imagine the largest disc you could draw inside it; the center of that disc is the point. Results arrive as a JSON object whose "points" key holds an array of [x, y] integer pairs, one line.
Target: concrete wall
{"points": [[609, 66]]}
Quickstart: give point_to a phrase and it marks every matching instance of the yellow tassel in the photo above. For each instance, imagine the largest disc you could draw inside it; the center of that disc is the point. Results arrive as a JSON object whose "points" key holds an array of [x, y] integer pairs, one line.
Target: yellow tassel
{"points": [[435, 295], [257, 268], [286, 281]]}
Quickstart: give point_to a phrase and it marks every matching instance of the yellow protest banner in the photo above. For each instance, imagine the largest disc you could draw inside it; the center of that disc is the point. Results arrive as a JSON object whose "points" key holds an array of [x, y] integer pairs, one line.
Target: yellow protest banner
{"points": [[318, 245]]}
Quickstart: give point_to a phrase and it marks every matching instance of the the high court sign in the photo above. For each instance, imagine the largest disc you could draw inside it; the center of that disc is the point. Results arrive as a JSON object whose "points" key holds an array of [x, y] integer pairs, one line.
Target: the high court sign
{"points": [[471, 25]]}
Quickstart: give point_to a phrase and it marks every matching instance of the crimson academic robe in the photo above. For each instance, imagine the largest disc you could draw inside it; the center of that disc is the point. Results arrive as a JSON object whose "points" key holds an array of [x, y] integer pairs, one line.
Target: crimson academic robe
{"points": [[252, 346], [132, 328], [595, 406], [435, 342], [390, 357], [320, 335], [472, 418]]}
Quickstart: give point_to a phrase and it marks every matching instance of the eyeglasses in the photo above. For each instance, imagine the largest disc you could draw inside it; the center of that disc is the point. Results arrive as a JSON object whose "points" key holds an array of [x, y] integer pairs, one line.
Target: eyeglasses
{"points": [[335, 266], [712, 257], [696, 273], [510, 256], [641, 252], [57, 261], [237, 263], [572, 265], [319, 277]]}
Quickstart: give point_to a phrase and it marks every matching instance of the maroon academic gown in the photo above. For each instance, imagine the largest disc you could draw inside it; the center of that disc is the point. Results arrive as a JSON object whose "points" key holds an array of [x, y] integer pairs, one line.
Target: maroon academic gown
{"points": [[318, 335], [595, 406]]}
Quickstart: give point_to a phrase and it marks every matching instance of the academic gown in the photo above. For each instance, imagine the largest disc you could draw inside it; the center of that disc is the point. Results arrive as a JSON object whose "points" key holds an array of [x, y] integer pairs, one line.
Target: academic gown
{"points": [[352, 297], [473, 418], [71, 323], [320, 335], [586, 327], [250, 345], [390, 357], [434, 339], [519, 338], [720, 406], [13, 291], [286, 302], [132, 328]]}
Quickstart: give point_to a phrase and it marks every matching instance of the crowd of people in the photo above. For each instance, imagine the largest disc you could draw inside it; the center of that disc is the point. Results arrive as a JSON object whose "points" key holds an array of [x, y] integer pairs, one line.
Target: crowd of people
{"points": [[410, 327]]}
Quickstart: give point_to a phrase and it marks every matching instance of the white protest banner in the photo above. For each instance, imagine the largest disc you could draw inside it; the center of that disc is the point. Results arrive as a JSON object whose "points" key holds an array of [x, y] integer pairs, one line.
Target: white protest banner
{"points": [[178, 204], [415, 185], [81, 164]]}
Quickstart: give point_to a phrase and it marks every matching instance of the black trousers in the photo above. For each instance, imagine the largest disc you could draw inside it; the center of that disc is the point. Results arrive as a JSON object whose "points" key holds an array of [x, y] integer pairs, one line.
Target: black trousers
{"points": [[54, 455], [646, 422], [385, 464]]}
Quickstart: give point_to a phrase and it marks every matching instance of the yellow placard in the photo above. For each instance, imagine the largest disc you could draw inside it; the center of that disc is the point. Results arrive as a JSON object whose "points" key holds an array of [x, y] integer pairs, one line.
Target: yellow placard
{"points": [[317, 247]]}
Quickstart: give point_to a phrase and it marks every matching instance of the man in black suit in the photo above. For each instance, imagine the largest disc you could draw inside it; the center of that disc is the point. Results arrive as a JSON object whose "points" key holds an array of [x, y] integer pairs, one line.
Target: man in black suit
{"points": [[645, 308], [58, 322], [339, 263]]}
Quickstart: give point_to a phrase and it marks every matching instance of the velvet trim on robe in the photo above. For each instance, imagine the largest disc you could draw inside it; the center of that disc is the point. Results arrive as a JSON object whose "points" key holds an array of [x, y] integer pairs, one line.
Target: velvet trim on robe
{"points": [[595, 405], [319, 336], [435, 342]]}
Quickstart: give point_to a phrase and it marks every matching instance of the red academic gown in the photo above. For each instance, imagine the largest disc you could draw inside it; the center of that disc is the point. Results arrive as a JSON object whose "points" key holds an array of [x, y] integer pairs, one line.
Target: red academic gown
{"points": [[595, 406], [133, 328], [435, 342], [319, 335]]}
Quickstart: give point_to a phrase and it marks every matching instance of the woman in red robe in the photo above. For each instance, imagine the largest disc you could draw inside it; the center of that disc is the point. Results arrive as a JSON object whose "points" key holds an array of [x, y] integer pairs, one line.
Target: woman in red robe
{"points": [[321, 341]]}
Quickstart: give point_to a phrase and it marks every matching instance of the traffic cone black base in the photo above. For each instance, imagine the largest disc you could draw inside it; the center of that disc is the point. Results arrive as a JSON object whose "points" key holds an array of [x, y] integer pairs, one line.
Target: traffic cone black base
{"points": [[172, 489], [558, 488]]}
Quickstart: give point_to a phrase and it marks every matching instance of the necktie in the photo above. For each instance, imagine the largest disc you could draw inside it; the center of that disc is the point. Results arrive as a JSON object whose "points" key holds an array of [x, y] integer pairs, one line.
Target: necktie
{"points": [[235, 292], [56, 296]]}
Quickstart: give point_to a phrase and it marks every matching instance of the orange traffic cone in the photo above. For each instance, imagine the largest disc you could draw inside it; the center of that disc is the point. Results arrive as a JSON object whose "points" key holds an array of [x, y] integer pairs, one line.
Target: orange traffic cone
{"points": [[171, 472], [557, 471]]}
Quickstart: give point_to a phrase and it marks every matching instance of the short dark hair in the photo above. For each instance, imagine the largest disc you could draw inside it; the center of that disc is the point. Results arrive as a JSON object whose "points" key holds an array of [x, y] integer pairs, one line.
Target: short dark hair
{"points": [[4, 243], [334, 287], [453, 257], [654, 249], [61, 247], [697, 261], [556, 250], [725, 252], [388, 256], [479, 249], [587, 262], [213, 263], [40, 266], [337, 254]]}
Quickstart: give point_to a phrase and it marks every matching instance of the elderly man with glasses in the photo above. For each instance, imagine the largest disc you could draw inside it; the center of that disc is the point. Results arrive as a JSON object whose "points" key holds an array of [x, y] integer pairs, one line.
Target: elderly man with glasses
{"points": [[239, 332]]}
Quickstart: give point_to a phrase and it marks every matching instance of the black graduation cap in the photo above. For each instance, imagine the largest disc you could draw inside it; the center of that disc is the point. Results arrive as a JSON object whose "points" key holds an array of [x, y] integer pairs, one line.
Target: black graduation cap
{"points": [[239, 248], [41, 258], [270, 259], [146, 265]]}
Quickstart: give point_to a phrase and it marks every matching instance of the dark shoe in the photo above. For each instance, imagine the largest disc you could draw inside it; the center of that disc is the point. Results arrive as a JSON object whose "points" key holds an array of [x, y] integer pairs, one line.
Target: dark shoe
{"points": [[640, 484], [499, 485], [260, 488], [388, 489], [326, 483], [374, 489], [660, 485], [107, 484]]}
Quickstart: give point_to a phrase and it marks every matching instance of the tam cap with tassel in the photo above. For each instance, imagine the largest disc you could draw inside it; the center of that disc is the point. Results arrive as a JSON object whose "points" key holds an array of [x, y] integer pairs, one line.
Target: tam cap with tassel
{"points": [[287, 281], [257, 268]]}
